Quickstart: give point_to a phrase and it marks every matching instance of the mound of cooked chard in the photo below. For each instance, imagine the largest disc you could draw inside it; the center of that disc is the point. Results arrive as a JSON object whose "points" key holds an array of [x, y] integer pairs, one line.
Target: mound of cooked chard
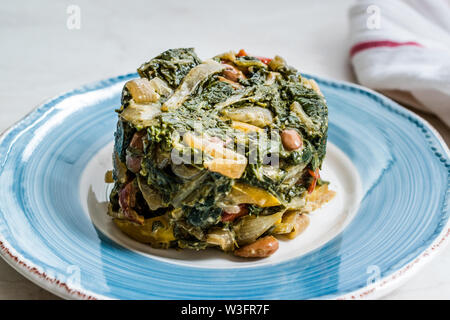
{"points": [[222, 153]]}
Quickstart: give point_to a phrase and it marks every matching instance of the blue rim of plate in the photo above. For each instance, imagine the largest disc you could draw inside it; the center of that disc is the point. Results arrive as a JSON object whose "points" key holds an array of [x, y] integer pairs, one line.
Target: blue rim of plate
{"points": [[392, 275]]}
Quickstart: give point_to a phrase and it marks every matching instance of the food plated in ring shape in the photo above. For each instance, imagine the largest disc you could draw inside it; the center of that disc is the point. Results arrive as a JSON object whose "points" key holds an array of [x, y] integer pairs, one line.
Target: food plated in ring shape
{"points": [[221, 153], [386, 212]]}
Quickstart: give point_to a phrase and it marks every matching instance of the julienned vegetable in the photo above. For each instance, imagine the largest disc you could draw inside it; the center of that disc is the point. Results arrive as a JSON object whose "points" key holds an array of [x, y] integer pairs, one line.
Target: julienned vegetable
{"points": [[220, 153]]}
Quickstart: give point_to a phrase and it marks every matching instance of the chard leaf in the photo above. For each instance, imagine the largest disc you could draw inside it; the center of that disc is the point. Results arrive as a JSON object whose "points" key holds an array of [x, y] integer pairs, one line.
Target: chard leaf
{"points": [[171, 65]]}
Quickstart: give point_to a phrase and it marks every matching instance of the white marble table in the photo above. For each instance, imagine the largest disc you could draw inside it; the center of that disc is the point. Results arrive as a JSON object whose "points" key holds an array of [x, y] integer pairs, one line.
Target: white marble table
{"points": [[40, 57]]}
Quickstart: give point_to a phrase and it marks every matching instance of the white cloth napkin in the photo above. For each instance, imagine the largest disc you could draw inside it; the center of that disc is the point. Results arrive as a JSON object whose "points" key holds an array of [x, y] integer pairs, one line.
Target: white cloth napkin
{"points": [[402, 48]]}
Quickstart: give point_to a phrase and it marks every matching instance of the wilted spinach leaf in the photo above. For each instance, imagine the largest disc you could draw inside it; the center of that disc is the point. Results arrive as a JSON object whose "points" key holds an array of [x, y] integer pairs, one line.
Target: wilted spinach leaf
{"points": [[171, 65]]}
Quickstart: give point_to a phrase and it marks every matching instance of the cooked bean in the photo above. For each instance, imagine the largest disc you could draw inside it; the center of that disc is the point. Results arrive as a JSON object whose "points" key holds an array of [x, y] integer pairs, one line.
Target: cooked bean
{"points": [[127, 201], [127, 196], [137, 142], [291, 139], [133, 163], [261, 248], [231, 73], [227, 216], [232, 83]]}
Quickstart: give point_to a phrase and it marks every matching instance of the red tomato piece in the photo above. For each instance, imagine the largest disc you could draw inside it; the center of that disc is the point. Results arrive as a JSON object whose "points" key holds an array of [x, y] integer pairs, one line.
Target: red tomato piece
{"points": [[242, 53]]}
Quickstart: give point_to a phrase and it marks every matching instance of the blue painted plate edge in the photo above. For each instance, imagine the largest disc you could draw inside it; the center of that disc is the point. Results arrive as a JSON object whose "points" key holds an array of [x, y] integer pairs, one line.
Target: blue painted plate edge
{"points": [[376, 290]]}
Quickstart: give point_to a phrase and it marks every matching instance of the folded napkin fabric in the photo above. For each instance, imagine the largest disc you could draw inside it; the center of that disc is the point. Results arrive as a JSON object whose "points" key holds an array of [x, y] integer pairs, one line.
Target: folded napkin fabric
{"points": [[402, 48]]}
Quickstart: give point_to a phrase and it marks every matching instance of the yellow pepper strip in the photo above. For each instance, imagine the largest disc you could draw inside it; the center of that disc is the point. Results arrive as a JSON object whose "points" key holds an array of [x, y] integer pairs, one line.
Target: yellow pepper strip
{"points": [[158, 235], [244, 193], [245, 127], [228, 167], [286, 224]]}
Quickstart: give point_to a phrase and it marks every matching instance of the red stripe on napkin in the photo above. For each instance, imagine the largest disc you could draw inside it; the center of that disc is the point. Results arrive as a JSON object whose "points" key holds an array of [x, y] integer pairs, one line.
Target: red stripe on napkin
{"points": [[382, 43]]}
